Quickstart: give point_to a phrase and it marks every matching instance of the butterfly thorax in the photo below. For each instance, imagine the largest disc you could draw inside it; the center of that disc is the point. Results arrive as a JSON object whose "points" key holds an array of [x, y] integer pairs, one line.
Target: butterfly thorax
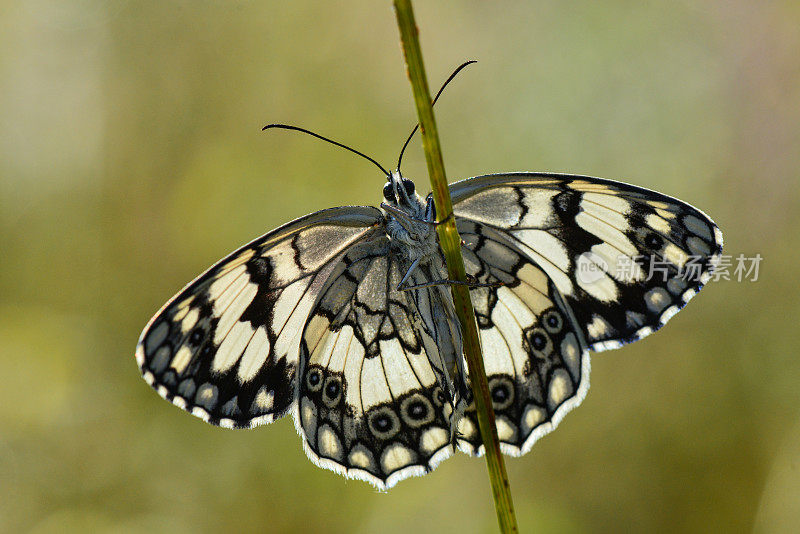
{"points": [[408, 220]]}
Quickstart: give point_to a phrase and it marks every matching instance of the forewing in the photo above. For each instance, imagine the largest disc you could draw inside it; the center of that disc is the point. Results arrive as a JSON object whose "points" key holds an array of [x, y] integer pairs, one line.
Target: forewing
{"points": [[534, 354], [226, 347], [626, 259], [370, 405]]}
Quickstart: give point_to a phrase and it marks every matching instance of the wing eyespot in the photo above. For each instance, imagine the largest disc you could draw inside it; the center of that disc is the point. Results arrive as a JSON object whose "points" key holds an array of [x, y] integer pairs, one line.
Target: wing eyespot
{"points": [[538, 339], [553, 321], [501, 389], [383, 422], [314, 379], [417, 410], [333, 391]]}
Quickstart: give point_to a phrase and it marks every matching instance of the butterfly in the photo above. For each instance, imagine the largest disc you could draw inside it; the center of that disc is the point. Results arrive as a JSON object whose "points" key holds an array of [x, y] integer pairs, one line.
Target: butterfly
{"points": [[344, 317]]}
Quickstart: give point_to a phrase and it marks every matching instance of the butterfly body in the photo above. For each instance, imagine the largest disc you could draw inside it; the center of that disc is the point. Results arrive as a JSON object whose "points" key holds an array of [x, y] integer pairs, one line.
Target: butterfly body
{"points": [[344, 317], [409, 224]]}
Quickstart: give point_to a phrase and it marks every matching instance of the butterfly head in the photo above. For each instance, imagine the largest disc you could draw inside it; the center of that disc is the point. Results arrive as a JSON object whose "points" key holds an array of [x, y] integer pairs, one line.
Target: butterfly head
{"points": [[399, 191], [408, 214]]}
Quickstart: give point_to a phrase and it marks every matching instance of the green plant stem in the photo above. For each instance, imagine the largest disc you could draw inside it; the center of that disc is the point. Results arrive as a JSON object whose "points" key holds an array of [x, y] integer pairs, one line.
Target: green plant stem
{"points": [[450, 242]]}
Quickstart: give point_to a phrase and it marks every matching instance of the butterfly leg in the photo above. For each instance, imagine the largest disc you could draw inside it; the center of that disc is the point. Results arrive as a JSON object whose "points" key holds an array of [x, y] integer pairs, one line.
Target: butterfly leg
{"points": [[470, 283], [408, 273], [471, 280]]}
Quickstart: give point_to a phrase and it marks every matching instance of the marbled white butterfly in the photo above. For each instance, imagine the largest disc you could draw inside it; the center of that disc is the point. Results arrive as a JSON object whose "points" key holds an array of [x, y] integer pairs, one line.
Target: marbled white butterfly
{"points": [[337, 317], [344, 317]]}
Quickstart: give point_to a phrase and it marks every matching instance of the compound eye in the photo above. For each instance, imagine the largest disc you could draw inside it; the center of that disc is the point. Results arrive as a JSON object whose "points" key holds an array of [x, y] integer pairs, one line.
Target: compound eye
{"points": [[388, 192], [409, 186]]}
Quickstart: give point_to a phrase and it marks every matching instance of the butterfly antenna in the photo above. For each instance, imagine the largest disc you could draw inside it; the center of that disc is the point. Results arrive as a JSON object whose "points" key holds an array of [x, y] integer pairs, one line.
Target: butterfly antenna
{"points": [[411, 135], [331, 141]]}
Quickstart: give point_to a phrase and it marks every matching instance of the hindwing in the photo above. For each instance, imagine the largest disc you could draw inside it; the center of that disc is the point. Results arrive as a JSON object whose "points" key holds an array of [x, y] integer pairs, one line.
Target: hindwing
{"points": [[534, 353], [370, 401]]}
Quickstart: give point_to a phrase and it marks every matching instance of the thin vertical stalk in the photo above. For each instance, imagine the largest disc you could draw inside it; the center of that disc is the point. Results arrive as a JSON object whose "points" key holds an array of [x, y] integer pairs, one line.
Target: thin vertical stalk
{"points": [[450, 242]]}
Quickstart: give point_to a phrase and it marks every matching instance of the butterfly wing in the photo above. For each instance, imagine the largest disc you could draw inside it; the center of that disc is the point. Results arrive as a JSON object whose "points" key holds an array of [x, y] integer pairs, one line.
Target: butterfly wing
{"points": [[370, 402], [626, 259], [226, 348], [535, 233], [535, 358]]}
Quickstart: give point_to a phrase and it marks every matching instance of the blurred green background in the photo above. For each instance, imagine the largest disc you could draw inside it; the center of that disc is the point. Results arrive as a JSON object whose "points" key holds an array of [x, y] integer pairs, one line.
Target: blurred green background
{"points": [[131, 159]]}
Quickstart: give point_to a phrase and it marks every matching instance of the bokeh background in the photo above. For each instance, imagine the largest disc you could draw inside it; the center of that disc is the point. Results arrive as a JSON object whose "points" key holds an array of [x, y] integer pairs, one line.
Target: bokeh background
{"points": [[131, 158]]}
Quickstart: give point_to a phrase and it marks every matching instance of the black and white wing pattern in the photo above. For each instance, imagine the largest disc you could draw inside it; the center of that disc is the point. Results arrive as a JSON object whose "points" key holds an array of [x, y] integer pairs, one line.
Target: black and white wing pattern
{"points": [[309, 317], [226, 347], [535, 359], [586, 264], [375, 401]]}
